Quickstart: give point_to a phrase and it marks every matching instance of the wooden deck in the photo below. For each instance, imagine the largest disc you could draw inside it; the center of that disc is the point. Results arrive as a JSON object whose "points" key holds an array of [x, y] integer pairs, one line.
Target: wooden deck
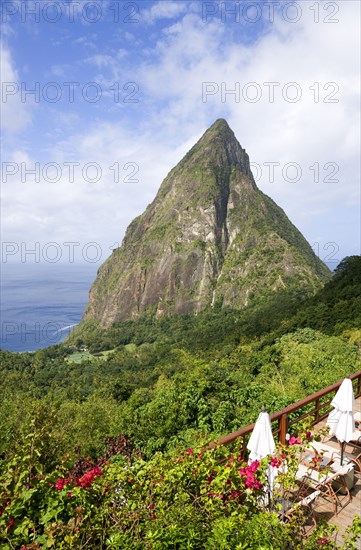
{"points": [[315, 408], [345, 516]]}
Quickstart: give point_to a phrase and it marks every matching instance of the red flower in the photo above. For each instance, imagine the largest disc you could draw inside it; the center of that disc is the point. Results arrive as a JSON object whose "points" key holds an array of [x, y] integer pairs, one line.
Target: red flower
{"points": [[10, 524], [151, 506], [189, 451], [251, 482], [322, 541], [61, 482], [253, 467], [275, 462], [87, 479], [153, 516]]}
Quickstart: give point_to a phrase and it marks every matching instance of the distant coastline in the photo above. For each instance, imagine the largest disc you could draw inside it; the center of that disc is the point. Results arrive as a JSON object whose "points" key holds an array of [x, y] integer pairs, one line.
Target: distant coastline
{"points": [[42, 303]]}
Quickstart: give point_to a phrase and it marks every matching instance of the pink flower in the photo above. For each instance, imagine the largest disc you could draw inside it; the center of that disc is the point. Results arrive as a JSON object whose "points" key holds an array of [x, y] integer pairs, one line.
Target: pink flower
{"points": [[322, 541], [275, 462], [61, 482], [294, 440], [87, 479], [253, 467], [189, 451], [251, 482]]}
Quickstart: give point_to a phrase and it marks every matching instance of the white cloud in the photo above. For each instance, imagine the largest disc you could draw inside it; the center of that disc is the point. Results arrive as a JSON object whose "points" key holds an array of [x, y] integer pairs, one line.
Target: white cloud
{"points": [[172, 116], [305, 132], [15, 114], [165, 9]]}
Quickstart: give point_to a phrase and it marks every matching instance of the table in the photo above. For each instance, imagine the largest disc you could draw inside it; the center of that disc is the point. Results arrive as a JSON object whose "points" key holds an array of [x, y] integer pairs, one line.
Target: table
{"points": [[316, 461]]}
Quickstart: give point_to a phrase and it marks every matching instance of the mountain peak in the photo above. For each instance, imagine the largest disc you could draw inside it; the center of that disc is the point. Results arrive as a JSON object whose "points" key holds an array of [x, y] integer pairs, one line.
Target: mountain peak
{"points": [[220, 125], [209, 237], [220, 129], [219, 147]]}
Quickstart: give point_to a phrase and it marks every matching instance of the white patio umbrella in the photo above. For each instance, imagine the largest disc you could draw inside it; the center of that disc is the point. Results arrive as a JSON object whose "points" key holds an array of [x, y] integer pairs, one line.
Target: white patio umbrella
{"points": [[341, 420], [262, 444]]}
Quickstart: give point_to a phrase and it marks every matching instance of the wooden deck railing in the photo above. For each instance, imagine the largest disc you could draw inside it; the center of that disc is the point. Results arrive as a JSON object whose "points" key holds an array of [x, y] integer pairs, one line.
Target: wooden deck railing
{"points": [[282, 417]]}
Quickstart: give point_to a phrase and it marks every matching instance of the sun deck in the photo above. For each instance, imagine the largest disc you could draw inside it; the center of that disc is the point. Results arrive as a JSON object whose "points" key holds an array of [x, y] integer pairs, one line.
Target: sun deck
{"points": [[346, 515], [282, 425]]}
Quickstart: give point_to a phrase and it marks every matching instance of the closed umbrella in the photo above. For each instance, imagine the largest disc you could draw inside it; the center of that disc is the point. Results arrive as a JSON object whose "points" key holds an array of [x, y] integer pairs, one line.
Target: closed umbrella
{"points": [[262, 444], [340, 420]]}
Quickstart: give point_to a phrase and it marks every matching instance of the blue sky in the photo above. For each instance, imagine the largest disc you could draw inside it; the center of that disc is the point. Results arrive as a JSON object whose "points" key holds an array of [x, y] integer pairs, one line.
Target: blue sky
{"points": [[124, 89]]}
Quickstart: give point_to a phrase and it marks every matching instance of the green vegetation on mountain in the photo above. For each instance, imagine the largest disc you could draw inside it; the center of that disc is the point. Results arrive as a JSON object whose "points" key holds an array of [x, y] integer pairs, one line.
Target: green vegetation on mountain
{"points": [[210, 237]]}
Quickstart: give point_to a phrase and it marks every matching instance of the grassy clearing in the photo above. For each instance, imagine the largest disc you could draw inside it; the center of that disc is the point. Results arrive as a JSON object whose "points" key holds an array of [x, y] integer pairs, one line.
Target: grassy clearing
{"points": [[80, 356]]}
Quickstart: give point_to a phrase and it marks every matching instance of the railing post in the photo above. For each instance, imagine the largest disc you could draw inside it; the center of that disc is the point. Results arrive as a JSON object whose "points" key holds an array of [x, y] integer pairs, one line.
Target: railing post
{"points": [[244, 447], [317, 411], [283, 428], [358, 386]]}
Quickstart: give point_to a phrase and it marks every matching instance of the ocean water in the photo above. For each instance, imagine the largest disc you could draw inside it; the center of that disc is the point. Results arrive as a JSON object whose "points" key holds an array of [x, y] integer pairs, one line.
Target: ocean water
{"points": [[41, 303]]}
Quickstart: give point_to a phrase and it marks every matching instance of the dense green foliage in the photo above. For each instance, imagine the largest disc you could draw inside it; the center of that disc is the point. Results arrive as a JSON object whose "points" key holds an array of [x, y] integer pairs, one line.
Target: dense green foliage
{"points": [[337, 307], [167, 385]]}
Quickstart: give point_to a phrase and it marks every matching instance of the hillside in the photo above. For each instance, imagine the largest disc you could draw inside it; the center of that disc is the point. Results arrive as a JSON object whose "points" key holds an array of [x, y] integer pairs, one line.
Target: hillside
{"points": [[337, 306]]}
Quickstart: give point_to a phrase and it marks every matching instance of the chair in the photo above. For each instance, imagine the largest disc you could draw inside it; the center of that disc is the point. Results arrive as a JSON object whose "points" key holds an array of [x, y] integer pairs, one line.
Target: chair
{"points": [[335, 454], [331, 486], [304, 507]]}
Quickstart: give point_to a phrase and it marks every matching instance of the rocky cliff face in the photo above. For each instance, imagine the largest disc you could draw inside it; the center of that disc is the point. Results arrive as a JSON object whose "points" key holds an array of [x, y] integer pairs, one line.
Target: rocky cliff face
{"points": [[209, 237]]}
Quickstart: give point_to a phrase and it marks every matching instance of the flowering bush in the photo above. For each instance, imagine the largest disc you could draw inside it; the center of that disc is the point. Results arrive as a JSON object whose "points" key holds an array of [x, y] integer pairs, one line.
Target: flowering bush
{"points": [[201, 499]]}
